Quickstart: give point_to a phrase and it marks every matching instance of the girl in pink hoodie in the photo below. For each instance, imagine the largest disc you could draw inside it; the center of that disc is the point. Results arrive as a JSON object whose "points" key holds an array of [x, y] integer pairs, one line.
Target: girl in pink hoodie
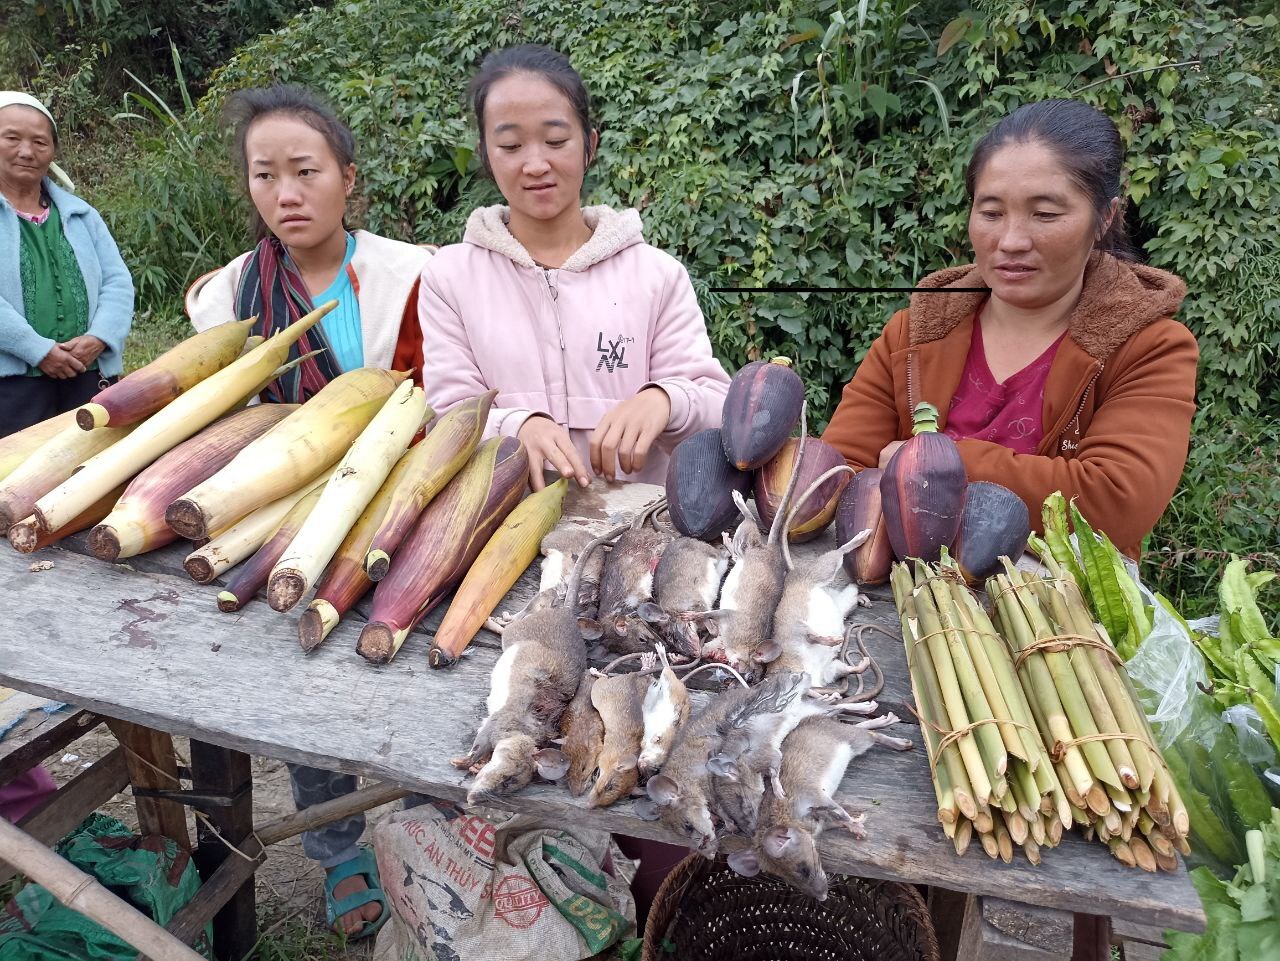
{"points": [[593, 339]]}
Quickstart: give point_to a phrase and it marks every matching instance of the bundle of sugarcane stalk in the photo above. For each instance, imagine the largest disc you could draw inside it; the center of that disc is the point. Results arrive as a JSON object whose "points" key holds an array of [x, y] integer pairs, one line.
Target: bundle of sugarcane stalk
{"points": [[1029, 720]]}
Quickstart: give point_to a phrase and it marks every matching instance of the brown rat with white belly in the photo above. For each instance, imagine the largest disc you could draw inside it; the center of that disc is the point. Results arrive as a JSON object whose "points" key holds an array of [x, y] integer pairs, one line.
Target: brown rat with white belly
{"points": [[817, 755], [809, 622], [753, 589], [561, 550], [751, 746], [686, 584], [542, 663], [681, 789], [666, 711]]}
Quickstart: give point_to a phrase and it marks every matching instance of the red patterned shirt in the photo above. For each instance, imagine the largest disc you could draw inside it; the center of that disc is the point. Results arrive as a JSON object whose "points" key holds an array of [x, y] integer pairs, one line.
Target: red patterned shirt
{"points": [[1008, 413]]}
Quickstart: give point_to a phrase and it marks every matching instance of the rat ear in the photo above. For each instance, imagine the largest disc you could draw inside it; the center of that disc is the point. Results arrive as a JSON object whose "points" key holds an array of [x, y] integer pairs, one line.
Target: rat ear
{"points": [[663, 790], [779, 840], [721, 766], [652, 613], [711, 621], [589, 629], [744, 862], [626, 764], [552, 764], [766, 652]]}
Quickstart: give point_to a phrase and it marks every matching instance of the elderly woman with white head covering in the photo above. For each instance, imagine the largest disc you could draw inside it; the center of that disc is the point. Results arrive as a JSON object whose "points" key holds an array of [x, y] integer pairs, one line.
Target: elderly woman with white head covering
{"points": [[66, 297]]}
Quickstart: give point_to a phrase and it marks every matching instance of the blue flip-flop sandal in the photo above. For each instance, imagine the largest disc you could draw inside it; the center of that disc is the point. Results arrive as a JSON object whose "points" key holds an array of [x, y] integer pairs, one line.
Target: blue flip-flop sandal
{"points": [[365, 865]]}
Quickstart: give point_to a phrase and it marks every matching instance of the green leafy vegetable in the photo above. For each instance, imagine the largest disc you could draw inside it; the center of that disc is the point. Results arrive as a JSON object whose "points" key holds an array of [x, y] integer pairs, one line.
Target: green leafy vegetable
{"points": [[1243, 916]]}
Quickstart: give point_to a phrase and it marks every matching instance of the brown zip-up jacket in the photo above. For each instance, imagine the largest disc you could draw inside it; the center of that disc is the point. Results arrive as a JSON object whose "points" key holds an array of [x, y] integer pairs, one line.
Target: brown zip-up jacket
{"points": [[1117, 404]]}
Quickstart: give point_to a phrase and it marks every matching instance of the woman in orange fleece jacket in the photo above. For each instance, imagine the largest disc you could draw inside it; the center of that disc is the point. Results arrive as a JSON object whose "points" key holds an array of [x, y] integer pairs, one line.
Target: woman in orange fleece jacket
{"points": [[1065, 370]]}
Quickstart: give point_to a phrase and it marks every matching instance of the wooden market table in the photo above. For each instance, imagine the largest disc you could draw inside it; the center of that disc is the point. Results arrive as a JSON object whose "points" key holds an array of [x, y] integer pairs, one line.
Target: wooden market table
{"points": [[139, 642]]}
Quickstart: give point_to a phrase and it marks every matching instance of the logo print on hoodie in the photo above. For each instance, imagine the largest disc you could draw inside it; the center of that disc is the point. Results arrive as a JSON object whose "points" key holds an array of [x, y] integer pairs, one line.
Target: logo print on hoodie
{"points": [[612, 356]]}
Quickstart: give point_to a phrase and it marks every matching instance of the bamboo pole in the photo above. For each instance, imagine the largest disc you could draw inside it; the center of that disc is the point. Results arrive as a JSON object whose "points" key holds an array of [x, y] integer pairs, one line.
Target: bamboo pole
{"points": [[924, 684], [1065, 680], [976, 762], [1045, 701], [83, 893]]}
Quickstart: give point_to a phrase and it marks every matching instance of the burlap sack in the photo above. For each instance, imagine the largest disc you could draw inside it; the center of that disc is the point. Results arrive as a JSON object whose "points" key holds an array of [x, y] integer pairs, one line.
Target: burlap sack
{"points": [[500, 887]]}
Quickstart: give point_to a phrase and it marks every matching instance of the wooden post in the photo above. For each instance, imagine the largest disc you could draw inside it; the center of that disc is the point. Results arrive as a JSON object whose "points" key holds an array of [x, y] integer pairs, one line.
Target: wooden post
{"points": [[224, 772], [947, 909], [153, 765], [1092, 938]]}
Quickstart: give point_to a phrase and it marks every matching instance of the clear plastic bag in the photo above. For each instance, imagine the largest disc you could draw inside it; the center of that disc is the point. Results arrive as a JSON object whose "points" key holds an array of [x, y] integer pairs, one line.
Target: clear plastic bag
{"points": [[1167, 669], [1215, 757]]}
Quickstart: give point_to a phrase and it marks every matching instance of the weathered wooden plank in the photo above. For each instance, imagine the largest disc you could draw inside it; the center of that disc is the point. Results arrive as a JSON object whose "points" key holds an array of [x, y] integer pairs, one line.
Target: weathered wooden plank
{"points": [[597, 508], [74, 802], [152, 648], [39, 736]]}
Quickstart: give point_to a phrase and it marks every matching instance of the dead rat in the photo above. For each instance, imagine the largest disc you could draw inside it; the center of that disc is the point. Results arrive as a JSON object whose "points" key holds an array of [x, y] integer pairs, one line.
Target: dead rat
{"points": [[753, 589], [627, 582], [809, 621], [619, 700], [681, 789], [750, 748], [542, 663], [665, 709], [686, 585], [818, 753], [583, 733], [561, 549]]}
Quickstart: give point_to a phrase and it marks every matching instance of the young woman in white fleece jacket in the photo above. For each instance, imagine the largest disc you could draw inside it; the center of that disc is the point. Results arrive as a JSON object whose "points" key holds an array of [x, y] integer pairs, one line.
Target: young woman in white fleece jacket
{"points": [[593, 339]]}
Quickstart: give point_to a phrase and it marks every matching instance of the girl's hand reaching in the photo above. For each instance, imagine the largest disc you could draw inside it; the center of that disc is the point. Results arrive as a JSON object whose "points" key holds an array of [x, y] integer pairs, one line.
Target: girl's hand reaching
{"points": [[546, 441], [622, 438]]}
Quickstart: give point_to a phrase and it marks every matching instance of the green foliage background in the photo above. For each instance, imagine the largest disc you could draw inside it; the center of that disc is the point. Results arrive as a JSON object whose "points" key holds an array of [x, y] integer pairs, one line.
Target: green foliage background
{"points": [[801, 142]]}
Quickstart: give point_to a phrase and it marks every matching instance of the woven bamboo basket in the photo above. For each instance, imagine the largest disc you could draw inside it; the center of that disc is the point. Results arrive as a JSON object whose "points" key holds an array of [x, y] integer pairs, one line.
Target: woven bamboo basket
{"points": [[710, 913]]}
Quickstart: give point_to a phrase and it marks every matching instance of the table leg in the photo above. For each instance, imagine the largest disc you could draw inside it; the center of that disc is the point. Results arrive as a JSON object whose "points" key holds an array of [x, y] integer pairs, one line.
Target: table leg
{"points": [[996, 930], [1092, 938], [947, 909], [153, 765], [225, 773]]}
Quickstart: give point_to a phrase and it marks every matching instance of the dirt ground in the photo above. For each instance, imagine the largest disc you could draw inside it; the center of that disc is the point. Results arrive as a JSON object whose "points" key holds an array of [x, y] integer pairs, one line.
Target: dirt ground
{"points": [[289, 886]]}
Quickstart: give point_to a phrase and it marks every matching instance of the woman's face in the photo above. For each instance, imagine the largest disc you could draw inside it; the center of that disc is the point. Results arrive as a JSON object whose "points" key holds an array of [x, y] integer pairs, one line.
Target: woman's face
{"points": [[295, 181], [535, 147], [26, 145], [1031, 227]]}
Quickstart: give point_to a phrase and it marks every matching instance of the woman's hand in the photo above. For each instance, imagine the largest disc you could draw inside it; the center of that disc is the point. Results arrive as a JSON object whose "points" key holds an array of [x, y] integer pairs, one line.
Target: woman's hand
{"points": [[886, 455], [85, 348], [61, 364], [545, 440], [624, 435]]}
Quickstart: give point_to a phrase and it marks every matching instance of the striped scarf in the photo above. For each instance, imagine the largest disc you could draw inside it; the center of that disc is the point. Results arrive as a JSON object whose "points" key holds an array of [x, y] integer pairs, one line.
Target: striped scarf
{"points": [[272, 288]]}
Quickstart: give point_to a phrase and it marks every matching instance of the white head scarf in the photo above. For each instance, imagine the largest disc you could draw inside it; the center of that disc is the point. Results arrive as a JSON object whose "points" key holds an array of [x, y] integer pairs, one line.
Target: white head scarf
{"points": [[16, 98]]}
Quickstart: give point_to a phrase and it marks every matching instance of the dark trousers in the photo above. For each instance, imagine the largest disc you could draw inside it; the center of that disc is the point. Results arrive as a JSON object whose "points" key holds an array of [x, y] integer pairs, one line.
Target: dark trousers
{"points": [[28, 400]]}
